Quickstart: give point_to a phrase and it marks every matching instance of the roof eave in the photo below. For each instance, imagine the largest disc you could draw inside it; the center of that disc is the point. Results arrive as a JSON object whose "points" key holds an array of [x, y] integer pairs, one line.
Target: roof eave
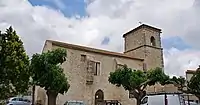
{"points": [[142, 26], [88, 49]]}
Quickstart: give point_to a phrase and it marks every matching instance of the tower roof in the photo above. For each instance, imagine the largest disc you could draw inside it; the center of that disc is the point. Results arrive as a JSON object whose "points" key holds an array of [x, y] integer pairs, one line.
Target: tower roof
{"points": [[142, 26]]}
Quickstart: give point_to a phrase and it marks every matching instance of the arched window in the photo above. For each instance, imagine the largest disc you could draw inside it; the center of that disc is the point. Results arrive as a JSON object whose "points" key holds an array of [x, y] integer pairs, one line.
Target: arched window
{"points": [[153, 41]]}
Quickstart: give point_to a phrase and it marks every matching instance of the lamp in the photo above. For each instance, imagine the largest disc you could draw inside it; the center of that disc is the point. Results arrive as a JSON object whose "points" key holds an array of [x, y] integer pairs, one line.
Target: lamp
{"points": [[97, 96]]}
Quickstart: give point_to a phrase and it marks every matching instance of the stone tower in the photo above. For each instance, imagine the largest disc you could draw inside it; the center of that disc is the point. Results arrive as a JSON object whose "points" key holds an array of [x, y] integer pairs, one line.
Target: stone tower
{"points": [[145, 42]]}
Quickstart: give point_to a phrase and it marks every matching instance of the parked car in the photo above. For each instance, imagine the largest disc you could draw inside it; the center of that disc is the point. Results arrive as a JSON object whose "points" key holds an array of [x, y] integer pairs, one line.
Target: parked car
{"points": [[163, 99], [191, 103], [18, 101], [74, 103]]}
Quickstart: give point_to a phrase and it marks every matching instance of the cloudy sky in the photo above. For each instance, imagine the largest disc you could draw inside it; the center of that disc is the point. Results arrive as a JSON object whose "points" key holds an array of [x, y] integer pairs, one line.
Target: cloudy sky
{"points": [[101, 23]]}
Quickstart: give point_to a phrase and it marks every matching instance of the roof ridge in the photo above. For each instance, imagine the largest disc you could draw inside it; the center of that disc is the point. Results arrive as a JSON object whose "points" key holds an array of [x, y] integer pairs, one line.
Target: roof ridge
{"points": [[91, 49]]}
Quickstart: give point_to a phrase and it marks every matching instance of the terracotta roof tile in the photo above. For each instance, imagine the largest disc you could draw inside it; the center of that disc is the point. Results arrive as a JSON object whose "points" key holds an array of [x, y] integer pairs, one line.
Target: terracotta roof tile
{"points": [[89, 49]]}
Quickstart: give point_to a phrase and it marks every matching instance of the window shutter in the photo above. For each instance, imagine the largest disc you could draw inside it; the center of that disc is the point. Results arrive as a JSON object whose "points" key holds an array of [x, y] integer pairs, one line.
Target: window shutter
{"points": [[97, 68]]}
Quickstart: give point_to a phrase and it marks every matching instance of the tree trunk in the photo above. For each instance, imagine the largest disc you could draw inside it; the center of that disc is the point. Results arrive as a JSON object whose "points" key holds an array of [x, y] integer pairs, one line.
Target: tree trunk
{"points": [[138, 95], [51, 97], [138, 101], [198, 99], [33, 95]]}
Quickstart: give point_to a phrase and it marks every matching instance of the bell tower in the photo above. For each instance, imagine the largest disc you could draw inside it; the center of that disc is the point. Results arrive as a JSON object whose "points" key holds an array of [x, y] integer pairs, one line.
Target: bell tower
{"points": [[144, 42]]}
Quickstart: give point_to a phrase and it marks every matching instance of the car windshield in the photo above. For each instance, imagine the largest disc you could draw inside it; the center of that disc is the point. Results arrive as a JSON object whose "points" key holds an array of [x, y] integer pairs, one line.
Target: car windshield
{"points": [[14, 99]]}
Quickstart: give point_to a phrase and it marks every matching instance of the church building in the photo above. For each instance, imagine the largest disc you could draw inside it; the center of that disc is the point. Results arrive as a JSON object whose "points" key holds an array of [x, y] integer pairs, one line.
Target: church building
{"points": [[88, 68]]}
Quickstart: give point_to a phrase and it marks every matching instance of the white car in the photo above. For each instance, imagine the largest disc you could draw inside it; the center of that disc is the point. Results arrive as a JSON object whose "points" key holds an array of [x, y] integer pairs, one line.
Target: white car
{"points": [[18, 101], [163, 99]]}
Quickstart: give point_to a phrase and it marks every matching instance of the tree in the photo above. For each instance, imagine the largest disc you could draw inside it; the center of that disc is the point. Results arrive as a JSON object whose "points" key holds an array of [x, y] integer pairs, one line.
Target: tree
{"points": [[136, 80], [193, 86], [179, 82], [14, 65], [48, 74]]}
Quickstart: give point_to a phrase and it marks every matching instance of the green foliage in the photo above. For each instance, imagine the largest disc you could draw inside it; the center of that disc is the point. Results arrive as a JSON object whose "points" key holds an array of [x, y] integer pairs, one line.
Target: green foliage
{"points": [[137, 77], [157, 76], [127, 77], [137, 80], [180, 82], [194, 84], [47, 73], [14, 65], [131, 79]]}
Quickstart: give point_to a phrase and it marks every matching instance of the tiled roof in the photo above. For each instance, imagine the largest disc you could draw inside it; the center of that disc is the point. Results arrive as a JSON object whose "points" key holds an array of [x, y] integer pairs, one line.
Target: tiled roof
{"points": [[93, 50]]}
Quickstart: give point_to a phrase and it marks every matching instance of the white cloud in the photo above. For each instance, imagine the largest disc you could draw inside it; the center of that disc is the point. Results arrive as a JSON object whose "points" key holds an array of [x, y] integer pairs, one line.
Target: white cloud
{"points": [[109, 18], [177, 62]]}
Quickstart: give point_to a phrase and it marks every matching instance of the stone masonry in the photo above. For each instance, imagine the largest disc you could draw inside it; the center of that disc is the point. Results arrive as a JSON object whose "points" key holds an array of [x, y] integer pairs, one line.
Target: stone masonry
{"points": [[88, 69]]}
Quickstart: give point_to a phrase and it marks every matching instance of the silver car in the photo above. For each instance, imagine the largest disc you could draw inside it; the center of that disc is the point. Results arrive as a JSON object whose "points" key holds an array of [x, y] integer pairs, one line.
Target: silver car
{"points": [[74, 103], [191, 103], [18, 101]]}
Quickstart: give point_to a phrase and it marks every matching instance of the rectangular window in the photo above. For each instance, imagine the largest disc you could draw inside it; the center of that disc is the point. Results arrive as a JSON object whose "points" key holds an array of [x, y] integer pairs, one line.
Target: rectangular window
{"points": [[83, 58], [97, 68]]}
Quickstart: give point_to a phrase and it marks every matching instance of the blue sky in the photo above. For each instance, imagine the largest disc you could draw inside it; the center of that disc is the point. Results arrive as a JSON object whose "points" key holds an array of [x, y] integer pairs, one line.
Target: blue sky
{"points": [[104, 23], [175, 42], [78, 7], [67, 7]]}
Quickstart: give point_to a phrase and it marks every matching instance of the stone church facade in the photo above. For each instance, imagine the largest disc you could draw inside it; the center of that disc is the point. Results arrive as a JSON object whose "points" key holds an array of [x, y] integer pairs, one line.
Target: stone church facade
{"points": [[88, 69]]}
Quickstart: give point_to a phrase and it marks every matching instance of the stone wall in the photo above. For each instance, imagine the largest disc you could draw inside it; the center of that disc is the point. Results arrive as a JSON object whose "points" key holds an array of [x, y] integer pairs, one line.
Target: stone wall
{"points": [[138, 44], [153, 57], [75, 70], [134, 39], [153, 54]]}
